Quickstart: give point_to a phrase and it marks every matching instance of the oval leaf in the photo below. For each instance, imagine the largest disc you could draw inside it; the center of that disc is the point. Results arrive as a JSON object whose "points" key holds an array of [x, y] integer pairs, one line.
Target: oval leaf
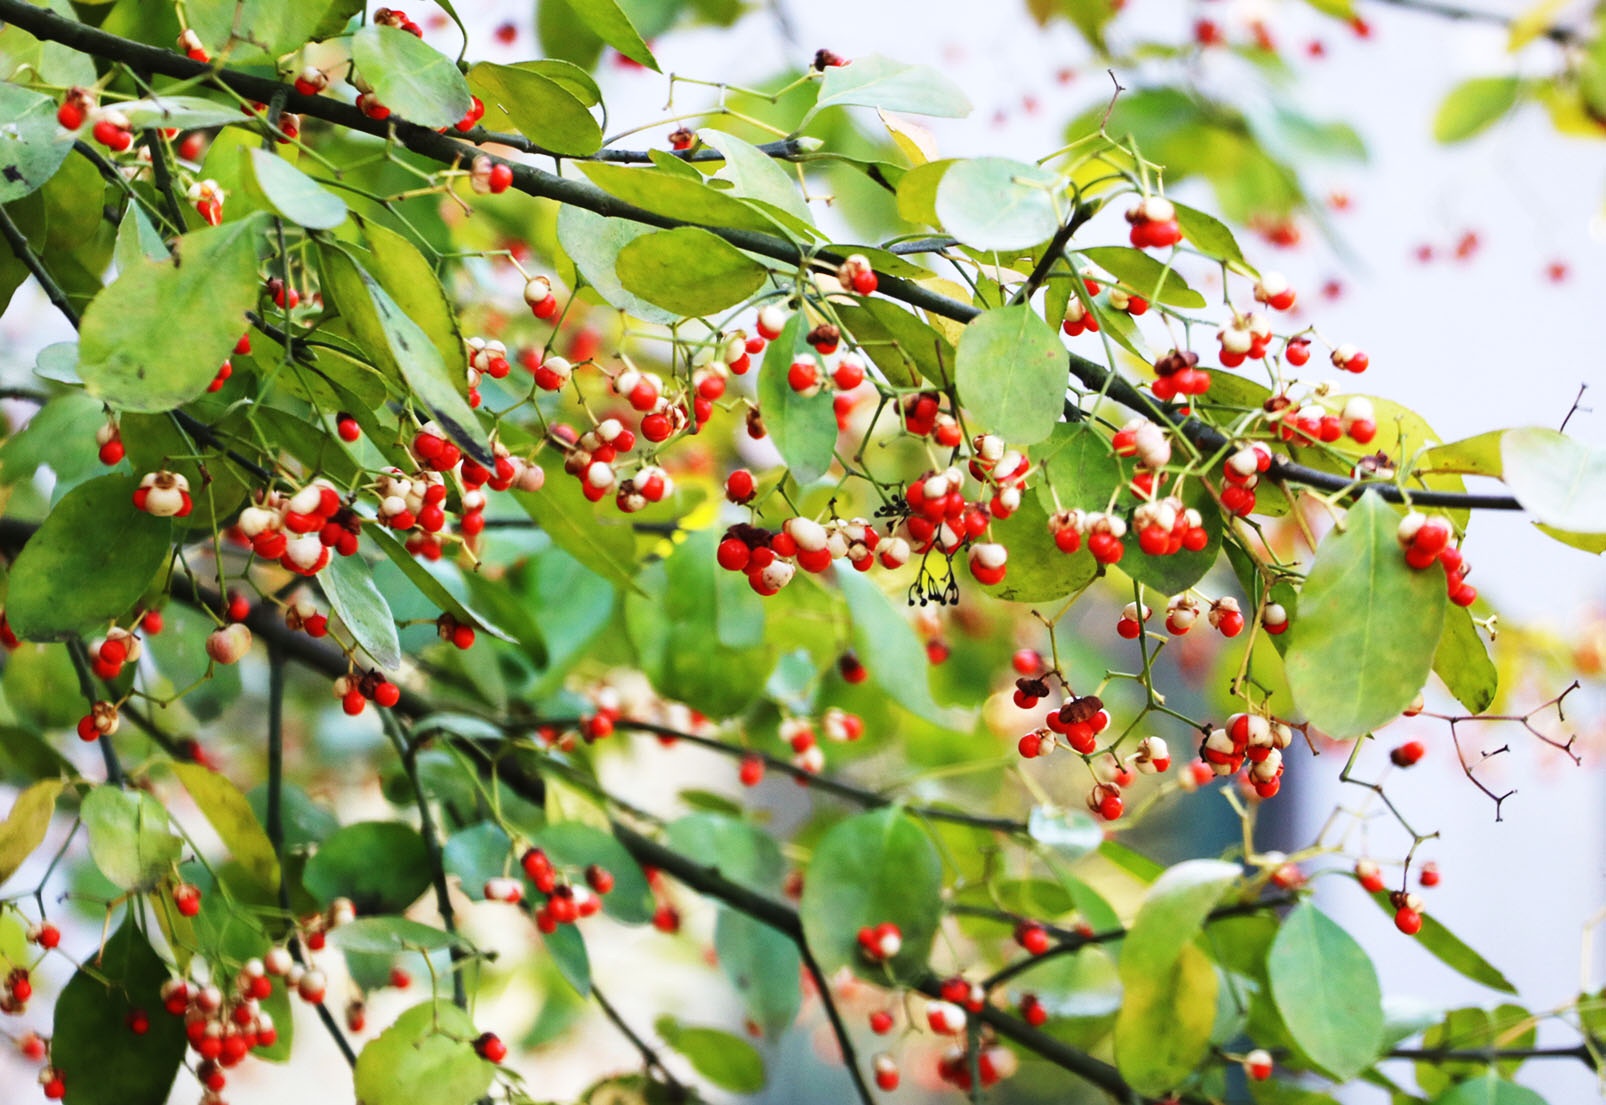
{"points": [[995, 203], [382, 866], [100, 1060], [25, 826], [401, 346], [762, 964], [389, 936], [543, 110], [292, 193], [869, 869], [32, 144], [1367, 626], [802, 427], [1173, 912], [1146, 276], [608, 21], [729, 1062], [876, 81], [1462, 661], [1327, 992], [1011, 374], [1556, 479], [429, 1045], [1474, 106], [887, 645], [62, 584], [132, 355], [593, 243], [411, 77], [689, 271], [129, 837], [228, 812], [1162, 1032], [352, 592]]}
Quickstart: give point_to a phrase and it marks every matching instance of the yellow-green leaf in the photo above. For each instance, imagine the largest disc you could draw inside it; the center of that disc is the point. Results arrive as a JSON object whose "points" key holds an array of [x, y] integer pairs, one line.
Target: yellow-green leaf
{"points": [[25, 826], [228, 812], [689, 270]]}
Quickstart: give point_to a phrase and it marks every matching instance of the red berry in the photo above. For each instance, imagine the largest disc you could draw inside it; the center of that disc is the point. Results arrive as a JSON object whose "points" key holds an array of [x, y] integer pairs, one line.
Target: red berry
{"points": [[1407, 754], [187, 899], [751, 771], [490, 1047], [1408, 920], [1429, 875]]}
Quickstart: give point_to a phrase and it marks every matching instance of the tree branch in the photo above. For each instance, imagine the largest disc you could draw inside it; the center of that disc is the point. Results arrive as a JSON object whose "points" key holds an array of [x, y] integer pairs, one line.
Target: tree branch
{"points": [[46, 25]]}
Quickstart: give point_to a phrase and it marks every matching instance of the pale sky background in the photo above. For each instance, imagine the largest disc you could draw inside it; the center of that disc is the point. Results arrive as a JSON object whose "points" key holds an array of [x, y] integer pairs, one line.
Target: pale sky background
{"points": [[1476, 346]]}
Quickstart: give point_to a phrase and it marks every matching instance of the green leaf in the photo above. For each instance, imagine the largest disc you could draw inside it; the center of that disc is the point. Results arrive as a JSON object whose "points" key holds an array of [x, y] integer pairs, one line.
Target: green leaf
{"points": [[1474, 106], [577, 845], [1173, 911], [607, 20], [1210, 236], [382, 866], [1452, 951], [1011, 374], [1327, 992], [25, 825], [546, 111], [180, 113], [802, 428], [236, 824], [898, 342], [32, 144], [285, 189], [593, 243], [62, 584], [1556, 479], [887, 645], [605, 547], [354, 596], [130, 352], [55, 436], [1079, 468], [1476, 456], [403, 348], [1162, 1032], [762, 964], [389, 936], [677, 196], [732, 847], [1038, 570], [876, 81], [1070, 834], [869, 869], [476, 854], [130, 839], [137, 240], [1491, 1089], [993, 203], [674, 623], [689, 270], [1367, 626], [568, 950], [100, 1060], [1587, 542], [305, 822], [1144, 275], [411, 77], [729, 1062], [757, 176], [429, 1045], [412, 282], [1462, 661]]}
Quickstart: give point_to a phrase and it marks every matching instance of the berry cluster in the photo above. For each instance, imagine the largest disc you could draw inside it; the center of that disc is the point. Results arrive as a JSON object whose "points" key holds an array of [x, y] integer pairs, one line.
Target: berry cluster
{"points": [[563, 901], [1426, 541], [1253, 740]]}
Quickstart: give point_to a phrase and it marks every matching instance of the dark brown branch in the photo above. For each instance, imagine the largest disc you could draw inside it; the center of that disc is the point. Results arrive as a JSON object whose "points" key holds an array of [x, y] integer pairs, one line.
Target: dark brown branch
{"points": [[46, 25], [1493, 1054]]}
